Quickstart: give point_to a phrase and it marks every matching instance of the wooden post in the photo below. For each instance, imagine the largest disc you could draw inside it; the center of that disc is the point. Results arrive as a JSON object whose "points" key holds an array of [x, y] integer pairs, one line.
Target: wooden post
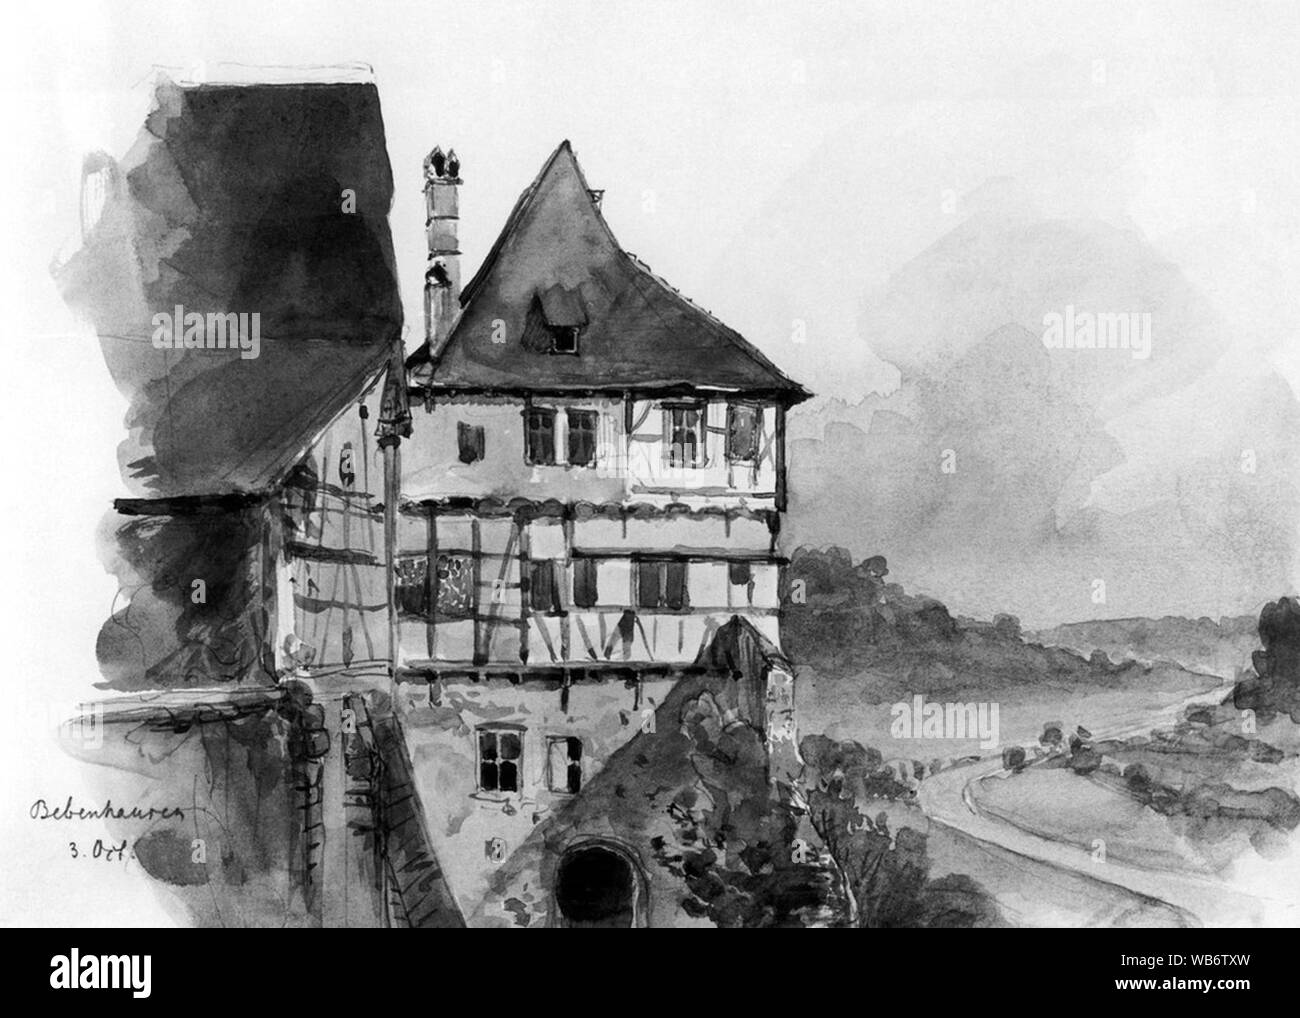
{"points": [[566, 527], [525, 587], [476, 565], [780, 458], [390, 445], [431, 584]]}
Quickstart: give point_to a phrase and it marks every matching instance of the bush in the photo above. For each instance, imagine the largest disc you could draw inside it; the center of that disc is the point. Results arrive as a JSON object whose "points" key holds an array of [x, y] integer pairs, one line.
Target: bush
{"points": [[1274, 688], [1085, 760], [1138, 779]]}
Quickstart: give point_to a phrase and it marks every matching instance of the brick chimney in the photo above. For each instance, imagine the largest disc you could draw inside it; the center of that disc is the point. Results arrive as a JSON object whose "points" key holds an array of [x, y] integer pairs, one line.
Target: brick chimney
{"points": [[441, 222]]}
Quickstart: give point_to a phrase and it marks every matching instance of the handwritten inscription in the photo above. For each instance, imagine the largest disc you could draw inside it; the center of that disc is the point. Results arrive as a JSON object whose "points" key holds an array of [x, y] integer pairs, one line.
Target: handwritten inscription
{"points": [[41, 810], [111, 852]]}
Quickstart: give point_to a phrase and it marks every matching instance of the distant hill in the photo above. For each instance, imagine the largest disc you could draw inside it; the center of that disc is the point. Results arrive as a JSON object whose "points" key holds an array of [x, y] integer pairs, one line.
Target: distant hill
{"points": [[1222, 648], [862, 646], [848, 623]]}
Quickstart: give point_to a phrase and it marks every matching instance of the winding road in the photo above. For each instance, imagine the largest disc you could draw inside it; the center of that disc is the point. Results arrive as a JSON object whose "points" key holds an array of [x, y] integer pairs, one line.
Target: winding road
{"points": [[948, 799]]}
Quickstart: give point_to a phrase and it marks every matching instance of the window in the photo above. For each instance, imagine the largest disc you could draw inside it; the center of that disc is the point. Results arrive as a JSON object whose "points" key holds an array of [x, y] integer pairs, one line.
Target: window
{"points": [[554, 322], [584, 582], [743, 430], [564, 339], [741, 577], [739, 573], [413, 586], [684, 430], [582, 437], [661, 584], [454, 591], [540, 425], [543, 591], [500, 756], [564, 763], [471, 441]]}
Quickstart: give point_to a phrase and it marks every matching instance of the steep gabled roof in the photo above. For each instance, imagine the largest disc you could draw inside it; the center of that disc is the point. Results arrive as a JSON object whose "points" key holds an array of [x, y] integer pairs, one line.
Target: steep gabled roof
{"points": [[232, 200], [556, 265]]}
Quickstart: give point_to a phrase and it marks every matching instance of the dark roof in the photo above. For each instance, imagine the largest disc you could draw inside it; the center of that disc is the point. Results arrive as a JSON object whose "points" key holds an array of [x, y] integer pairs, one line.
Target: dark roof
{"points": [[231, 200], [557, 264]]}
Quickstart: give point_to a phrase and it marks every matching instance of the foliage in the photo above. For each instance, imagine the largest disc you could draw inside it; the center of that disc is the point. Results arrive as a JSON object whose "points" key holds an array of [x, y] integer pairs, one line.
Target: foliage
{"points": [[1274, 688], [846, 620], [735, 847]]}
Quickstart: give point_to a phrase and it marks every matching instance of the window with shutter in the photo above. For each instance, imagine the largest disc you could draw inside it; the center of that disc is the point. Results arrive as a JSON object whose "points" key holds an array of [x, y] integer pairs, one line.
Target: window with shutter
{"points": [[413, 586], [540, 436], [684, 435], [743, 431], [564, 764], [500, 757], [582, 437], [661, 583], [470, 439]]}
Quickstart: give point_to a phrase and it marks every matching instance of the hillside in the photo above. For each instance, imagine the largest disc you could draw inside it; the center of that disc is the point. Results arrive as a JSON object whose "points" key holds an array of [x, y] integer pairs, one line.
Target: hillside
{"points": [[1221, 647], [863, 647]]}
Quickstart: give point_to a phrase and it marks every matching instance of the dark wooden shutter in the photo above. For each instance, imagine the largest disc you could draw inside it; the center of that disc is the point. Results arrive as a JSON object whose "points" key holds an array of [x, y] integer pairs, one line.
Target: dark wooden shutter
{"points": [[647, 584], [584, 582], [470, 439], [543, 593], [675, 586]]}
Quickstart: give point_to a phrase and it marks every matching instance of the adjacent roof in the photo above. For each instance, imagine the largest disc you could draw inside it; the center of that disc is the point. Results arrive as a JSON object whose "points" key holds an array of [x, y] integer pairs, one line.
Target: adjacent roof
{"points": [[233, 200], [556, 264]]}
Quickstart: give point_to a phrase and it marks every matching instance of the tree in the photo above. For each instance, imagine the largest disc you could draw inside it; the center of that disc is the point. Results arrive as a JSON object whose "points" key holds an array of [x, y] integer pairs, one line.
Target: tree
{"points": [[879, 875], [1275, 686], [882, 876]]}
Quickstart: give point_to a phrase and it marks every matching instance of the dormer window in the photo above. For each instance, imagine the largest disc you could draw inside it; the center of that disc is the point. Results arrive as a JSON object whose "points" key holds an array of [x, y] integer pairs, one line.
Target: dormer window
{"points": [[555, 322], [564, 339]]}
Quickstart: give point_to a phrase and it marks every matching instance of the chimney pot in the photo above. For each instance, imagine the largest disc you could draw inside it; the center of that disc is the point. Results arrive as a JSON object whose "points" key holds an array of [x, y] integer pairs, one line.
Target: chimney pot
{"points": [[435, 161]]}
